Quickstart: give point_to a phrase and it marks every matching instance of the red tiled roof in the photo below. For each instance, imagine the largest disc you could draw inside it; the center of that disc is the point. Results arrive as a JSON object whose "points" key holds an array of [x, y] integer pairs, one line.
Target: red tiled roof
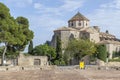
{"points": [[78, 16]]}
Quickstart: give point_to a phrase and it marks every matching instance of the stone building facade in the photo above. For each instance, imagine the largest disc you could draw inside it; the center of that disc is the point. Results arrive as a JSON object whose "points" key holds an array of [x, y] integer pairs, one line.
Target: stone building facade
{"points": [[78, 27]]}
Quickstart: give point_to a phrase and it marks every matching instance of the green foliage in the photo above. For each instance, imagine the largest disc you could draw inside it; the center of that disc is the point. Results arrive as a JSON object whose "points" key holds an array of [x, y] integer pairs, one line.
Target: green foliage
{"points": [[80, 48], [30, 47], [56, 62], [26, 54], [58, 47], [11, 52], [116, 54], [48, 43], [1, 50], [4, 11], [59, 57], [44, 50], [25, 34], [60, 62], [23, 21], [115, 60], [14, 33], [67, 57], [102, 52]]}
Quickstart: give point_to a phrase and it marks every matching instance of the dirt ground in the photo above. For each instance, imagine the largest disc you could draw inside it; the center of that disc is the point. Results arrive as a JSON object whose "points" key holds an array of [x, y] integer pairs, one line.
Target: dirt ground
{"points": [[100, 74], [61, 74]]}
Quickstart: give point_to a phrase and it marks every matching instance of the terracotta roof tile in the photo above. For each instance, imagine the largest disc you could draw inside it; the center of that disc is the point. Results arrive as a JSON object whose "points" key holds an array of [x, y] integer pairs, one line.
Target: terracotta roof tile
{"points": [[89, 30], [102, 34], [109, 42], [78, 16], [65, 29]]}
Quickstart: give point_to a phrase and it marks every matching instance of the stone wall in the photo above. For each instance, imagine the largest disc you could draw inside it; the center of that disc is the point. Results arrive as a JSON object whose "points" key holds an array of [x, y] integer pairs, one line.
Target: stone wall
{"points": [[20, 68], [112, 48], [113, 64], [102, 63], [66, 36], [94, 37], [30, 60], [23, 60]]}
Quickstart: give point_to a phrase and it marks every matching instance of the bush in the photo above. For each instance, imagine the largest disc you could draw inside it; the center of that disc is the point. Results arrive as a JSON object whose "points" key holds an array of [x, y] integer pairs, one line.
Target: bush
{"points": [[60, 62], [56, 62], [102, 52], [115, 60]]}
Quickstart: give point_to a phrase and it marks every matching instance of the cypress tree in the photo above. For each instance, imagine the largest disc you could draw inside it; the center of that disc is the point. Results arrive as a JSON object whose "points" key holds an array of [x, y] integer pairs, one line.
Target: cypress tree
{"points": [[102, 52], [30, 47], [58, 47]]}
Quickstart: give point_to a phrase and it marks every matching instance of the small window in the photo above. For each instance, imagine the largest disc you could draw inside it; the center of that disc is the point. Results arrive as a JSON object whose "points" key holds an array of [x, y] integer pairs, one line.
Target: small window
{"points": [[86, 24], [37, 61]]}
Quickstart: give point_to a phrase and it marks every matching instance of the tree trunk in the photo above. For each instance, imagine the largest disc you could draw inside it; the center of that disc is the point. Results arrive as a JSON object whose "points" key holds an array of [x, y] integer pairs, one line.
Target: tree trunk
{"points": [[3, 55]]}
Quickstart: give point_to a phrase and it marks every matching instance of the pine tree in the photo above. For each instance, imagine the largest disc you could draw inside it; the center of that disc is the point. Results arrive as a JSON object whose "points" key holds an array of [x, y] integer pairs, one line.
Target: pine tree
{"points": [[14, 33]]}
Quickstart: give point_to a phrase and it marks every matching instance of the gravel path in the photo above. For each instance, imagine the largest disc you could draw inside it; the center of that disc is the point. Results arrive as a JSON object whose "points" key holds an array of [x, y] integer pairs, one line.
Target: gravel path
{"points": [[61, 74]]}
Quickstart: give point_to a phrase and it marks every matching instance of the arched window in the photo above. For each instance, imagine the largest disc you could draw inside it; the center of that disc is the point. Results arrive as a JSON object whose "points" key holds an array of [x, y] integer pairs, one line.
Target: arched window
{"points": [[71, 23], [79, 24], [71, 37]]}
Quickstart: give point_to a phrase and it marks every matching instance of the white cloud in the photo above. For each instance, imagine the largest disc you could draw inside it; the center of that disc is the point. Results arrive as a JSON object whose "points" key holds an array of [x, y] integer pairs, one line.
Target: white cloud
{"points": [[70, 5], [43, 27], [45, 21], [37, 6], [49, 18], [67, 6], [114, 4], [19, 3], [107, 17]]}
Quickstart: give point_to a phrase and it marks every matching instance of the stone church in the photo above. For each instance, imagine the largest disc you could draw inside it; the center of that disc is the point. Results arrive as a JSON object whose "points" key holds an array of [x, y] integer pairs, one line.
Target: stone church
{"points": [[78, 27]]}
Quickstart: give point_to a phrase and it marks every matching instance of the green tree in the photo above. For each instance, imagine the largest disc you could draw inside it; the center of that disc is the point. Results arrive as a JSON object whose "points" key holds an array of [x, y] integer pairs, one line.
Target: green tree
{"points": [[102, 52], [59, 60], [13, 35], [48, 43], [7, 25], [44, 50], [25, 34], [58, 48], [1, 50], [79, 49], [30, 47]]}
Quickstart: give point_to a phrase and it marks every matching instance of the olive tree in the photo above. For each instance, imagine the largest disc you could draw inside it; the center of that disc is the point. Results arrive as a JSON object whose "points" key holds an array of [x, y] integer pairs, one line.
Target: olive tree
{"points": [[79, 49]]}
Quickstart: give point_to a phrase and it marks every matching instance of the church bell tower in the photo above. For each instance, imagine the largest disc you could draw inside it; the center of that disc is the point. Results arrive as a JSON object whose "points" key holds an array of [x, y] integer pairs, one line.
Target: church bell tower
{"points": [[78, 21]]}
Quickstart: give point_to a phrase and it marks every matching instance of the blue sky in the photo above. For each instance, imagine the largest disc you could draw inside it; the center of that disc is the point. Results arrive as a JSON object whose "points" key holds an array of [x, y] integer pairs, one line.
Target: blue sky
{"points": [[47, 15]]}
